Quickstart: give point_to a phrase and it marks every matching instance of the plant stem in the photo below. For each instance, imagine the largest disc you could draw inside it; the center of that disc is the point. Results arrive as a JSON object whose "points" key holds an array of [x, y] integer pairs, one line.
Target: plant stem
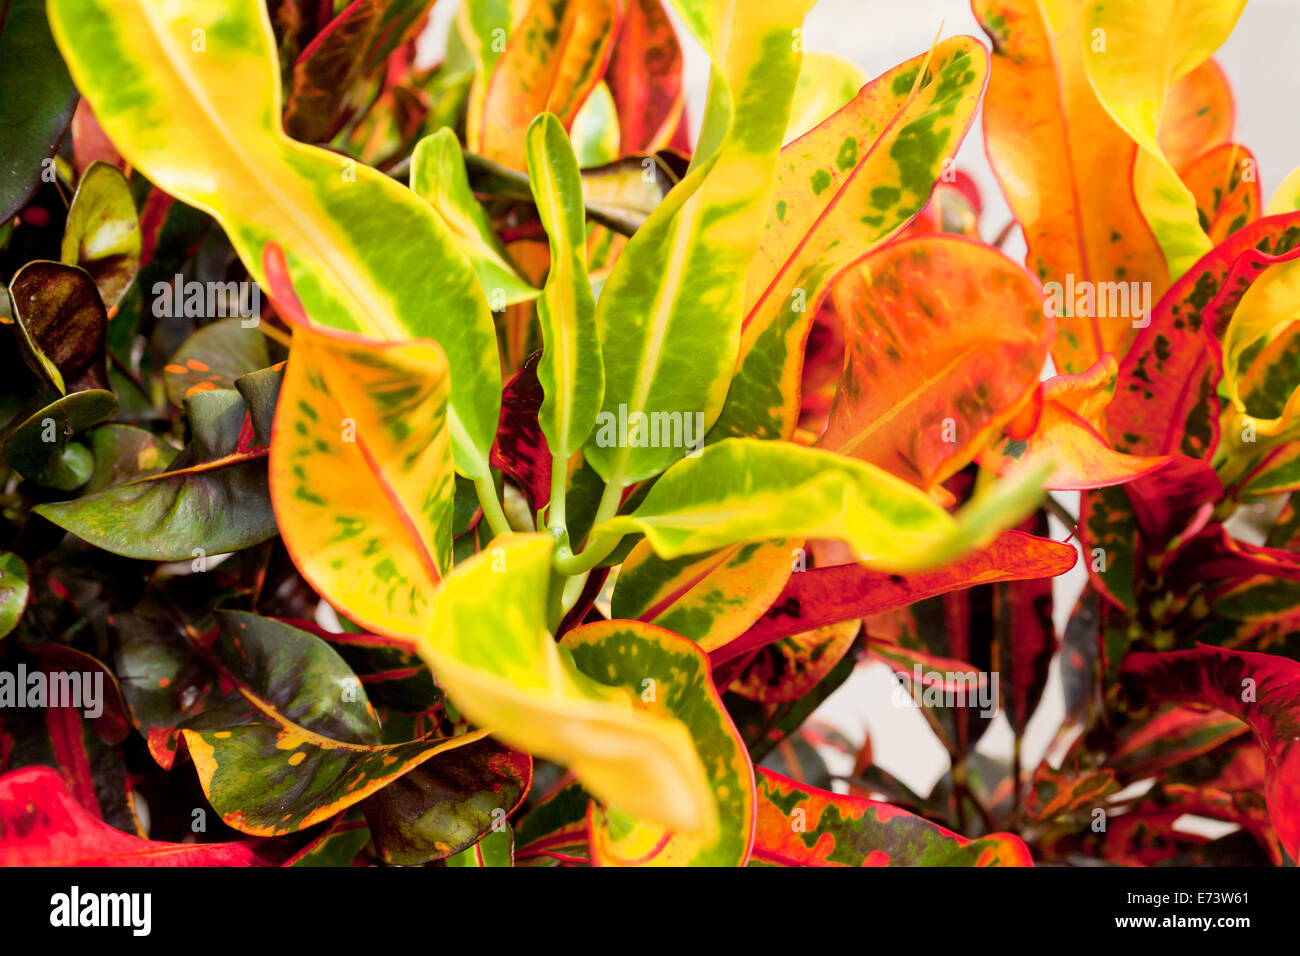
{"points": [[487, 498], [555, 518], [1060, 513], [596, 551]]}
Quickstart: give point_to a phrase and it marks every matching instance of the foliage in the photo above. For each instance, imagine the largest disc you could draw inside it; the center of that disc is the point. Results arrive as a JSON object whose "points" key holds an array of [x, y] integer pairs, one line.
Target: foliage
{"points": [[467, 466]]}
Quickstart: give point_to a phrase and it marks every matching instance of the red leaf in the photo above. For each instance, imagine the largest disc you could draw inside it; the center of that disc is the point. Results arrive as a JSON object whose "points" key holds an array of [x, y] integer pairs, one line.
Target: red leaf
{"points": [[823, 596], [1214, 677], [41, 825], [645, 78], [1166, 401], [520, 448]]}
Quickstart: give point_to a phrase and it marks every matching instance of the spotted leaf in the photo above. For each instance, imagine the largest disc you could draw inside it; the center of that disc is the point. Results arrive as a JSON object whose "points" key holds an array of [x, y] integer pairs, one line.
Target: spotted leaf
{"points": [[490, 650], [1259, 689], [842, 190], [670, 676], [946, 339], [803, 826]]}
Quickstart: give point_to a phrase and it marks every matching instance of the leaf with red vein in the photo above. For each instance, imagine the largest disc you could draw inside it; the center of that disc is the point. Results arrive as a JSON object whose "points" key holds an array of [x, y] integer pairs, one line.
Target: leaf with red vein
{"points": [[645, 78], [1166, 399], [1261, 689], [803, 826], [821, 596]]}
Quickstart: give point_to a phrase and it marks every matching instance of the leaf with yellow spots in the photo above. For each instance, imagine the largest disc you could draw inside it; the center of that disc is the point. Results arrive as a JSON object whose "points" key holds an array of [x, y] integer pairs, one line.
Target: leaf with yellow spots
{"points": [[295, 741], [212, 499], [945, 342], [490, 650], [669, 675], [361, 468], [190, 94], [800, 825], [843, 189], [443, 807]]}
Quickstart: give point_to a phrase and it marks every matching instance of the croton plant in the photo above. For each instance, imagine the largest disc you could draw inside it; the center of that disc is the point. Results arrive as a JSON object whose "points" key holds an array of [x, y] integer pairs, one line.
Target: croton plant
{"points": [[474, 465]]}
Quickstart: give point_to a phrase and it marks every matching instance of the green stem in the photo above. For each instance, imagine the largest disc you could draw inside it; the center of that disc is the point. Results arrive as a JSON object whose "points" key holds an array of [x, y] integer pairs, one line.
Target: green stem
{"points": [[487, 497], [597, 550], [598, 547], [555, 518]]}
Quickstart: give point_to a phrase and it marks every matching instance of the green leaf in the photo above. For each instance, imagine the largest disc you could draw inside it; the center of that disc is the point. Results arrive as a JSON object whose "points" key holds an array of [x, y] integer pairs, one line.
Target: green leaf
{"points": [[102, 234], [193, 101], [124, 452], [671, 675], [595, 129], [213, 357], [571, 372], [442, 808], [212, 499], [490, 650], [745, 489], [36, 101], [670, 312], [497, 848], [13, 590], [438, 176], [39, 447], [842, 190]]}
